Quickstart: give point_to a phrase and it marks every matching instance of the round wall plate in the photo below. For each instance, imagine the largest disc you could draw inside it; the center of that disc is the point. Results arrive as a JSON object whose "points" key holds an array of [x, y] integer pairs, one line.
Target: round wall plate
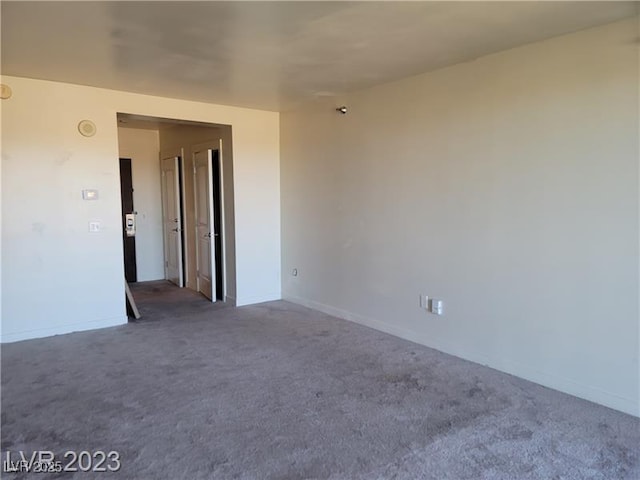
{"points": [[87, 128], [5, 91]]}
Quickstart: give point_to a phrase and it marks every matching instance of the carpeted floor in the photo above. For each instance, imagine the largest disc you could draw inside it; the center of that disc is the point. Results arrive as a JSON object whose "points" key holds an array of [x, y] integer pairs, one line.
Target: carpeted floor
{"points": [[277, 391]]}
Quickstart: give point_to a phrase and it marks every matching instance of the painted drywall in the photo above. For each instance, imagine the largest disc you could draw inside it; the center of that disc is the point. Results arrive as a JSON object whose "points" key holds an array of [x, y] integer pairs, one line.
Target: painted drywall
{"points": [[186, 137], [506, 186], [142, 147], [1, 162], [58, 277]]}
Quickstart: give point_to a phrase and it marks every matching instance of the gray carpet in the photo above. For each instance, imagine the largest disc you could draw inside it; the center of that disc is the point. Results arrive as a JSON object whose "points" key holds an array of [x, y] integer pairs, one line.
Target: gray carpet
{"points": [[276, 391]]}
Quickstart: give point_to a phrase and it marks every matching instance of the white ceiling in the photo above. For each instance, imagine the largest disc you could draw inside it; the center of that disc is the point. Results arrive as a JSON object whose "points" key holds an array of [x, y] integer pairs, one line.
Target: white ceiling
{"points": [[270, 55]]}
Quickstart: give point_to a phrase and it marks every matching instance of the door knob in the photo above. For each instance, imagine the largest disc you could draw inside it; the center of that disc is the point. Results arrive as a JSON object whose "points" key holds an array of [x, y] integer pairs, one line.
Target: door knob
{"points": [[175, 230]]}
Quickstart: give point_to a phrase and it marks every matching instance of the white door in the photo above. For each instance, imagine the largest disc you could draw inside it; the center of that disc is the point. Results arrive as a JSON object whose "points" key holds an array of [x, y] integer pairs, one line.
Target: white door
{"points": [[203, 183], [171, 220]]}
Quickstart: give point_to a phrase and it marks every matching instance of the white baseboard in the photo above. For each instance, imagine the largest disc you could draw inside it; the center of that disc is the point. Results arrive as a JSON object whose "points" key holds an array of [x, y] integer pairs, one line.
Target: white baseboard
{"points": [[242, 301], [61, 329], [550, 380]]}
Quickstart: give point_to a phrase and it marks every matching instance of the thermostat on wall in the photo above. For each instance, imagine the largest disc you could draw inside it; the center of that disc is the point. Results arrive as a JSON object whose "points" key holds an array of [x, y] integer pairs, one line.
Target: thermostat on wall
{"points": [[90, 194]]}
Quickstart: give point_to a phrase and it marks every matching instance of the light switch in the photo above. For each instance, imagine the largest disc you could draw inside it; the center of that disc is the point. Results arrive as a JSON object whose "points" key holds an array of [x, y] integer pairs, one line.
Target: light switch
{"points": [[424, 301], [437, 307], [94, 227]]}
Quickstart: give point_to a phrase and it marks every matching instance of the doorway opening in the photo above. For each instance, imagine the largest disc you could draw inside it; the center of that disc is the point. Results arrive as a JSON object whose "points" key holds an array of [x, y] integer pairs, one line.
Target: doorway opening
{"points": [[181, 181]]}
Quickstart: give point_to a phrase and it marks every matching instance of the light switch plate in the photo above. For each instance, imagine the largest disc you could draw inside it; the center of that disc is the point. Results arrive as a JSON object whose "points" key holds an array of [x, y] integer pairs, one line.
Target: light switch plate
{"points": [[437, 307], [424, 301]]}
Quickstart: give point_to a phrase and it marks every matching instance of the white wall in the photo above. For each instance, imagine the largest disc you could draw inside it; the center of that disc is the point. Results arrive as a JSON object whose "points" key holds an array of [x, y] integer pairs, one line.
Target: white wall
{"points": [[506, 186], [142, 147], [56, 276]]}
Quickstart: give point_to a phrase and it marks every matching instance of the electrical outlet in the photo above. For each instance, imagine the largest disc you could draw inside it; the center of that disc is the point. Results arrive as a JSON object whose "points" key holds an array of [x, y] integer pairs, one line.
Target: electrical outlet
{"points": [[94, 227]]}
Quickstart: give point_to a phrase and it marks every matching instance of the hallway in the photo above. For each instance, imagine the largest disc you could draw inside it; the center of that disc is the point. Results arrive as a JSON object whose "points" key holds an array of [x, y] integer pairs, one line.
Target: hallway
{"points": [[162, 300]]}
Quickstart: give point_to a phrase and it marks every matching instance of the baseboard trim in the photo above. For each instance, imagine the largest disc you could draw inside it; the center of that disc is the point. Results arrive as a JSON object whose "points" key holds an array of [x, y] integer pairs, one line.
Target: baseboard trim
{"points": [[62, 329], [555, 382], [242, 301]]}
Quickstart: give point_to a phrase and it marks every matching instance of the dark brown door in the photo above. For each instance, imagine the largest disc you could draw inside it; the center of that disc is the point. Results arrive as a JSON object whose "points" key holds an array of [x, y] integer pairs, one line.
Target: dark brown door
{"points": [[126, 192]]}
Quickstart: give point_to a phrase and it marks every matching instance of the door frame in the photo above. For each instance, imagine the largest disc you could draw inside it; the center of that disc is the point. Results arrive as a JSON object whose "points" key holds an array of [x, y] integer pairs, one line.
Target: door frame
{"points": [[176, 152], [212, 145]]}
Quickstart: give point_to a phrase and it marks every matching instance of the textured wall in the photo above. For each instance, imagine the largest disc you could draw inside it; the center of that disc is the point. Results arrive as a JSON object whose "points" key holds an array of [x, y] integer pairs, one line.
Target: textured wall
{"points": [[506, 186]]}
